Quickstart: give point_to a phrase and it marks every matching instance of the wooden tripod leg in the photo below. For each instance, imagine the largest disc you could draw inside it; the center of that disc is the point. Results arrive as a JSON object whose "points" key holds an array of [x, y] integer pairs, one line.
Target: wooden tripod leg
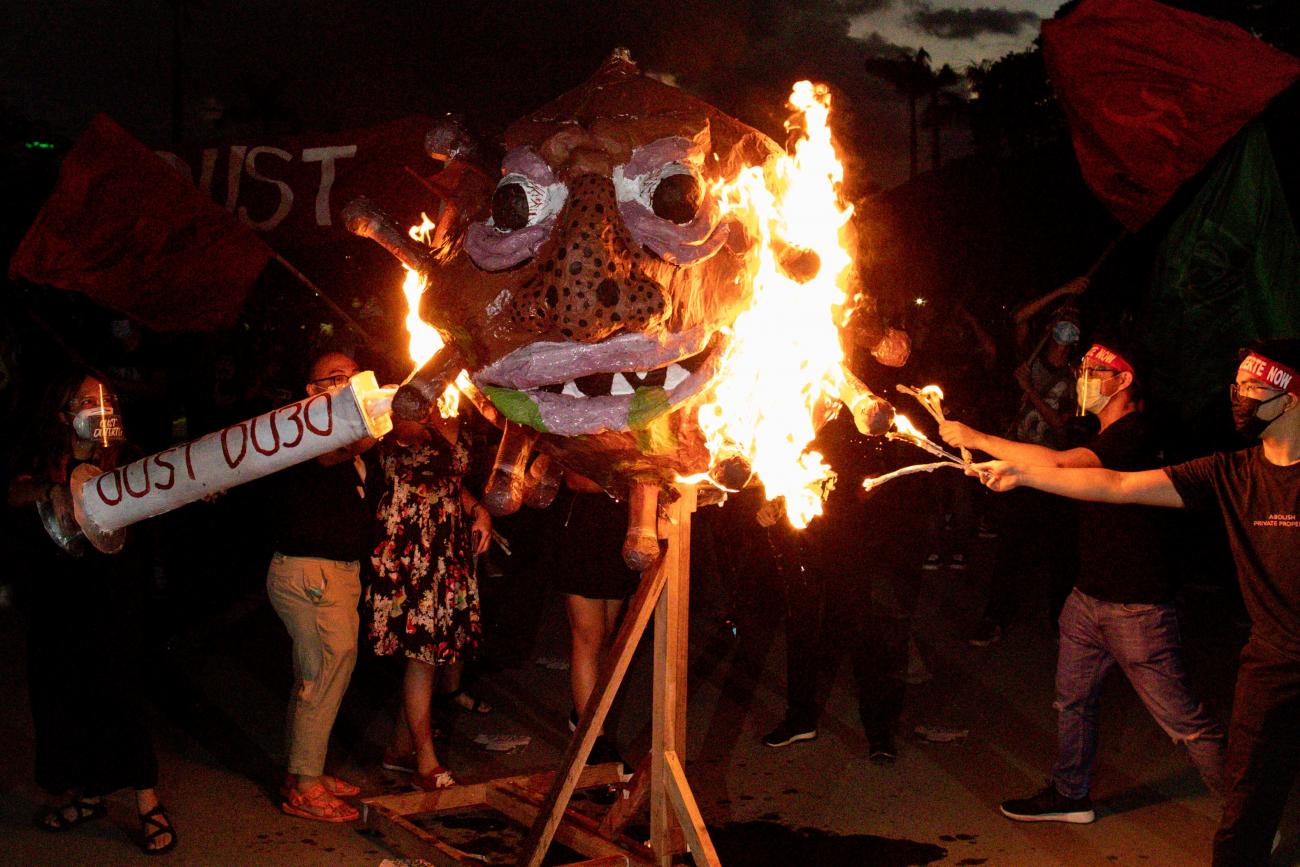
{"points": [[612, 670]]}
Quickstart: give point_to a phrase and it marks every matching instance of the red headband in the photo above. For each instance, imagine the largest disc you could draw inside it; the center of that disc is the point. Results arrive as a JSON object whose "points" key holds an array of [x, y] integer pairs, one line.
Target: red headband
{"points": [[1274, 373], [1109, 357]]}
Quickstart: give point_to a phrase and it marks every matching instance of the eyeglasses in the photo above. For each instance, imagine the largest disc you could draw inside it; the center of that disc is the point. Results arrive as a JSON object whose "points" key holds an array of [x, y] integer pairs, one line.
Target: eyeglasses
{"points": [[331, 381], [1252, 390], [1093, 372]]}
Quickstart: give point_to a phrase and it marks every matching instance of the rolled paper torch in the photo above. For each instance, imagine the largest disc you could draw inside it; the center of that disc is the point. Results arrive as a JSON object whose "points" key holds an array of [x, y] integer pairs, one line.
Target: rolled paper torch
{"points": [[418, 396], [543, 482], [504, 492], [104, 503], [641, 544], [871, 414]]}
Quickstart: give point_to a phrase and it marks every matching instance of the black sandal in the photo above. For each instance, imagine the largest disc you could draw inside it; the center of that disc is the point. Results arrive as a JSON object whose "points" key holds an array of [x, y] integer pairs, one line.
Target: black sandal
{"points": [[157, 820], [55, 819], [452, 701]]}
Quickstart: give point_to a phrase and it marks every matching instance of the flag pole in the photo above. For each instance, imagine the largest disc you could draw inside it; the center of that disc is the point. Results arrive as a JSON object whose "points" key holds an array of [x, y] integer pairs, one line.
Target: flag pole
{"points": [[331, 304]]}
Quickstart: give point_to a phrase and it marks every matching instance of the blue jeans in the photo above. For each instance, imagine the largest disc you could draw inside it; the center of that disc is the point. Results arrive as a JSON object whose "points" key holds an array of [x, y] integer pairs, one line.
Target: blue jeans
{"points": [[1144, 641]]}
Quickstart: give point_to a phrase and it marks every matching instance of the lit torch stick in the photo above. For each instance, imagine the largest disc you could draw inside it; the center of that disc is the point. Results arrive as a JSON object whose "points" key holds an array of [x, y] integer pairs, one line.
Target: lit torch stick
{"points": [[931, 397], [906, 432]]}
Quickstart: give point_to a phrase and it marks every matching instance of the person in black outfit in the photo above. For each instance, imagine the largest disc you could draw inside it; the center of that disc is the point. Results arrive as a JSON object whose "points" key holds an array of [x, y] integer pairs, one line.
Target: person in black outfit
{"points": [[851, 574], [85, 642], [1121, 610]]}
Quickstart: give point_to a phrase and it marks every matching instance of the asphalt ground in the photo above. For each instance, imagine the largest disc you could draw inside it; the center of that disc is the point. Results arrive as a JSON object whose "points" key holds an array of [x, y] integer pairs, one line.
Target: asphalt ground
{"points": [[220, 682]]}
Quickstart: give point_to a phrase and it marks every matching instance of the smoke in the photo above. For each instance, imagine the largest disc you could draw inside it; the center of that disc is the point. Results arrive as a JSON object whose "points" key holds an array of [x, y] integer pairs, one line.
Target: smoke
{"points": [[970, 23]]}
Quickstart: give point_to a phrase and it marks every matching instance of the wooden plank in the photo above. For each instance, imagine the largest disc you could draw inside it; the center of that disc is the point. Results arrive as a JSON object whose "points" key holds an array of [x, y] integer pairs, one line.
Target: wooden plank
{"points": [[578, 832], [626, 807], [669, 692], [427, 846], [613, 668], [611, 861], [470, 794], [688, 812]]}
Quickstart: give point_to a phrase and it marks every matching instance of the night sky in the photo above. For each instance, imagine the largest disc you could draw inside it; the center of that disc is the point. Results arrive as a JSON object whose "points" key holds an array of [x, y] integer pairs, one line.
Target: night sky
{"points": [[260, 67]]}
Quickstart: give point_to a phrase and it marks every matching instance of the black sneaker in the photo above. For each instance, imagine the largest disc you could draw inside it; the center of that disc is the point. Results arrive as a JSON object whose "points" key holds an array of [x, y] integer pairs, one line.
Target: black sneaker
{"points": [[985, 634], [603, 752], [1049, 805], [883, 751], [789, 733]]}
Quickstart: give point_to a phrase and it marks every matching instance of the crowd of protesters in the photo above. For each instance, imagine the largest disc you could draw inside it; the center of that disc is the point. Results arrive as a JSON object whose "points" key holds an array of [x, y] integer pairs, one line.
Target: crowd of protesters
{"points": [[377, 547]]}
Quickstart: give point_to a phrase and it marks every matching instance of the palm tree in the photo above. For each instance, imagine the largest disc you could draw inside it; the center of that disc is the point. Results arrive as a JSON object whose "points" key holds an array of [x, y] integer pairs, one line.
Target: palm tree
{"points": [[913, 77]]}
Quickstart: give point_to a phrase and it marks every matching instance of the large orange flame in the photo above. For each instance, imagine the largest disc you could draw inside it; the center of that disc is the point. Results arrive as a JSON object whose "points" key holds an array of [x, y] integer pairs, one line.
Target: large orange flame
{"points": [[784, 363], [424, 340]]}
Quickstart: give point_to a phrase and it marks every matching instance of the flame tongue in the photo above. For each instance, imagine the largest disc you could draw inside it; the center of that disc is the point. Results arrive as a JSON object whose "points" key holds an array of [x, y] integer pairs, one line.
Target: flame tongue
{"points": [[424, 340], [784, 360]]}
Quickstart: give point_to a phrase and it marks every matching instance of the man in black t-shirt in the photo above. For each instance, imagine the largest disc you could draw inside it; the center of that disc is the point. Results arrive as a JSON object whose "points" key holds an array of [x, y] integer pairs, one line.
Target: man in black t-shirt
{"points": [[1120, 611], [322, 520], [1257, 491]]}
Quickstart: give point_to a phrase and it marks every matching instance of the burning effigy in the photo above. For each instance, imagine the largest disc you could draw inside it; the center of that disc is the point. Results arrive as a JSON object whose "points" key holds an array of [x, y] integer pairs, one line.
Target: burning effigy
{"points": [[645, 291]]}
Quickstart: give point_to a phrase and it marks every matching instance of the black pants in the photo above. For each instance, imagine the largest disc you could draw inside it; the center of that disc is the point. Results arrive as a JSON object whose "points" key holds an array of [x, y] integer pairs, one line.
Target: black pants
{"points": [[846, 598], [84, 655], [1263, 755]]}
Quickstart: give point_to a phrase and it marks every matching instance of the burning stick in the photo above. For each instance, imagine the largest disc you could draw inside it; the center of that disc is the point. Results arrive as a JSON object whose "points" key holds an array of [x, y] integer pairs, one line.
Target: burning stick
{"points": [[872, 484], [931, 397], [907, 433]]}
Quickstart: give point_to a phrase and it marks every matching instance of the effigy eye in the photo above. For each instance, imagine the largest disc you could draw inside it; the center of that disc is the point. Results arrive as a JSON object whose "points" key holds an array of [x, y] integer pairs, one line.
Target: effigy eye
{"points": [[676, 198], [510, 207]]}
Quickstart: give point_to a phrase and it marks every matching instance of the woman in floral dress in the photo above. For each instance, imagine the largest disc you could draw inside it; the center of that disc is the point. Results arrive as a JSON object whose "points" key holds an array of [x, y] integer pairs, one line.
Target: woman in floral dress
{"points": [[423, 599]]}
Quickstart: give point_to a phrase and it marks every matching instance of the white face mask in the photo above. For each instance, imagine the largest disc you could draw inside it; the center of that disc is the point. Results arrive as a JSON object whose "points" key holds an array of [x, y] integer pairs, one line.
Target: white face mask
{"points": [[1089, 394]]}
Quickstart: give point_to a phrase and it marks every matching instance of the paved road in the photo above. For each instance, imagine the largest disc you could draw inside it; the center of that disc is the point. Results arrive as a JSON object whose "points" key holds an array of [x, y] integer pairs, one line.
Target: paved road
{"points": [[219, 717]]}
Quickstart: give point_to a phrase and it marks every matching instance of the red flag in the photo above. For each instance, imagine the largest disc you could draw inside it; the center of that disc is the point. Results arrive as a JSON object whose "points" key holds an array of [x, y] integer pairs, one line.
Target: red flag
{"points": [[125, 229], [1153, 92]]}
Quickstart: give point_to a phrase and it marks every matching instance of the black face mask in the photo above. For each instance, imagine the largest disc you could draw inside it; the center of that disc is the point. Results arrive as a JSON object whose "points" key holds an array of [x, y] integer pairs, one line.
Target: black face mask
{"points": [[1245, 415]]}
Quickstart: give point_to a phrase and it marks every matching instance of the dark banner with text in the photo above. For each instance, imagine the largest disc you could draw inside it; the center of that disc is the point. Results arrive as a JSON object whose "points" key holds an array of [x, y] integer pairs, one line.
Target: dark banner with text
{"points": [[290, 190]]}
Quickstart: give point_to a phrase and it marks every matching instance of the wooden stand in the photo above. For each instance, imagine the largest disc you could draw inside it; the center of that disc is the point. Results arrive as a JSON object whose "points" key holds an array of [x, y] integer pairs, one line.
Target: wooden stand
{"points": [[676, 825]]}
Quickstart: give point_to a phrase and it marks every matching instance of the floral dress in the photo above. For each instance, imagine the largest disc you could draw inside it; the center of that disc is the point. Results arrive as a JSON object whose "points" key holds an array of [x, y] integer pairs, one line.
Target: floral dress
{"points": [[423, 599]]}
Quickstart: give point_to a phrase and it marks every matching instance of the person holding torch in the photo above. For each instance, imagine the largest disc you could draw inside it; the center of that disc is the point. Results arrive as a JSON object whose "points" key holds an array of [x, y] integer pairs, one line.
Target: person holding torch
{"points": [[1120, 612], [1256, 490]]}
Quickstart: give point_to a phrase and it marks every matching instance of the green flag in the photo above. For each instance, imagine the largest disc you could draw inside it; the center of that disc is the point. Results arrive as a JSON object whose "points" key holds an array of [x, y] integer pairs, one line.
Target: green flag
{"points": [[1227, 272]]}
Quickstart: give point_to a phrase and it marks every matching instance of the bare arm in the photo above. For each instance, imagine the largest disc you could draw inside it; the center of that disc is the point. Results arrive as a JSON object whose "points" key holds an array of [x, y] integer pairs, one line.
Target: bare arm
{"points": [[1077, 286], [1025, 454], [1145, 488]]}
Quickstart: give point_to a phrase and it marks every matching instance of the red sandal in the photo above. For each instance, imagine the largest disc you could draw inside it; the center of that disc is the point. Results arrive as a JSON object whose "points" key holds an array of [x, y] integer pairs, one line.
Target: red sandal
{"points": [[438, 778], [319, 805], [336, 787]]}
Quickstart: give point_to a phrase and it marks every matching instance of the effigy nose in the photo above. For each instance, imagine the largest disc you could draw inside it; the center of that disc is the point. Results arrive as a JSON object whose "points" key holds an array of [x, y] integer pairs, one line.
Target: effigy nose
{"points": [[590, 282]]}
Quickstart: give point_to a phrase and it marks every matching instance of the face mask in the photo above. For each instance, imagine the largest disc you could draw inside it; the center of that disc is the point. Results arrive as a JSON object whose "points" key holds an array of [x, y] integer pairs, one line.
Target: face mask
{"points": [[1065, 333], [1245, 415], [1088, 391], [98, 424]]}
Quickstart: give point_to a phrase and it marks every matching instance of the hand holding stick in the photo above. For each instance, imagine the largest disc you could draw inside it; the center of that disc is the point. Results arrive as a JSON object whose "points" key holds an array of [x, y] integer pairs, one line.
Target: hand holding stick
{"points": [[931, 397]]}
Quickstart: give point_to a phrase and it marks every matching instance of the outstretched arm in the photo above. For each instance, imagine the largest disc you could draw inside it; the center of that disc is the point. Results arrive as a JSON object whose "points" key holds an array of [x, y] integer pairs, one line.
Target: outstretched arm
{"points": [[1029, 454], [1145, 488]]}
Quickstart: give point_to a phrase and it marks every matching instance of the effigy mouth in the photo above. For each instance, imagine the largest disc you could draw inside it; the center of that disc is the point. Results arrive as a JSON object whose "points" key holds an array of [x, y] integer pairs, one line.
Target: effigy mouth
{"points": [[618, 384]]}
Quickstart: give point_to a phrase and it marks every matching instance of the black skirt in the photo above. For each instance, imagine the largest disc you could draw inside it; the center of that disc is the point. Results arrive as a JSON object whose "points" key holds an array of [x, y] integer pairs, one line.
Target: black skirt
{"points": [[589, 559]]}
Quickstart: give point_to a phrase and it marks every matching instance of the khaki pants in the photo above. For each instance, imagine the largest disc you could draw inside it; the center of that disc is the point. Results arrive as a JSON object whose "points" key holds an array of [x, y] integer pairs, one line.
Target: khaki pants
{"points": [[317, 600]]}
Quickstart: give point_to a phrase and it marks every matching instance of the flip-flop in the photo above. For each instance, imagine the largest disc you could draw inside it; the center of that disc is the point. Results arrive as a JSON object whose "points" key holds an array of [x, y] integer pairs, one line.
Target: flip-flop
{"points": [[318, 805], [54, 819], [153, 825]]}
